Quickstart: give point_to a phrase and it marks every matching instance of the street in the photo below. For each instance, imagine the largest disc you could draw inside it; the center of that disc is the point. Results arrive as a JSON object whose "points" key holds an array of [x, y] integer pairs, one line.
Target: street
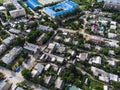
{"points": [[17, 78]]}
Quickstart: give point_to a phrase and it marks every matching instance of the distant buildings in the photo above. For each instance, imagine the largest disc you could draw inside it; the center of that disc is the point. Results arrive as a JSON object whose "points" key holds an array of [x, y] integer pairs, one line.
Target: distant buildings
{"points": [[8, 58], [60, 8], [32, 4], [46, 2], [44, 28], [111, 3], [95, 39], [19, 11], [104, 76]]}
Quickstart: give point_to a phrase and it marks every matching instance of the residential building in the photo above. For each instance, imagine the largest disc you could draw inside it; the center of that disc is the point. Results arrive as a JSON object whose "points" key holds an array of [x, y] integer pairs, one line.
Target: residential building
{"points": [[112, 35], [83, 56], [40, 39], [95, 60], [59, 83], [60, 8], [14, 31], [8, 58], [2, 8], [104, 76], [46, 2], [105, 87], [113, 3], [37, 70], [48, 79], [95, 39], [2, 48], [47, 67], [31, 48], [19, 11], [8, 40], [5, 85], [32, 4], [44, 28]]}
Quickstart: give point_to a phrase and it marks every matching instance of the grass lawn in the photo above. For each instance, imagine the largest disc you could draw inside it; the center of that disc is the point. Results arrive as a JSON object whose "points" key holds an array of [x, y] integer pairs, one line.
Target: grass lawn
{"points": [[93, 85], [2, 1]]}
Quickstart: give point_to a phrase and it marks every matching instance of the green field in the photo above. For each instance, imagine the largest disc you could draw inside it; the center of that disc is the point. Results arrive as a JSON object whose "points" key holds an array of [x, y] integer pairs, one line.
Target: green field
{"points": [[2, 1]]}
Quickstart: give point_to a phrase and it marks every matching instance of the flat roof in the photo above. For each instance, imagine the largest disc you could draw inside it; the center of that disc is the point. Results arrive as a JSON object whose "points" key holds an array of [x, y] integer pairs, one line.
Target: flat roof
{"points": [[60, 8], [32, 4]]}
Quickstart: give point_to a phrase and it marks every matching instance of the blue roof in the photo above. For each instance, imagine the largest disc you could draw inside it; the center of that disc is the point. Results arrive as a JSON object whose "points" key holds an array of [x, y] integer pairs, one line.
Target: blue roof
{"points": [[17, 68], [65, 6], [32, 4]]}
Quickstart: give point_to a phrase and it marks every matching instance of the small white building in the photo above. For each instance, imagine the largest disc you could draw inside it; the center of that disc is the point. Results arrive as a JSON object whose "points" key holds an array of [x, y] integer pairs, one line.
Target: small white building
{"points": [[37, 70], [95, 60], [59, 83]]}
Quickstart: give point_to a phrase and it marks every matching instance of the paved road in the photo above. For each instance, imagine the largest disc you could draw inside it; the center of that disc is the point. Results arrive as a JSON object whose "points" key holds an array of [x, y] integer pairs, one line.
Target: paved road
{"points": [[85, 34], [17, 77]]}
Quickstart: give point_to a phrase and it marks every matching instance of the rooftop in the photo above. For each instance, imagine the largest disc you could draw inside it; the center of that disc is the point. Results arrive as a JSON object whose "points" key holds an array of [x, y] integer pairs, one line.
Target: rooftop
{"points": [[60, 8]]}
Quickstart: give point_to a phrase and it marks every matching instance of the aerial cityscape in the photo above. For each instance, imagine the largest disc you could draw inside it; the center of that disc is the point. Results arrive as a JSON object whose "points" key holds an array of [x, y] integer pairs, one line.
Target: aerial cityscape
{"points": [[59, 44]]}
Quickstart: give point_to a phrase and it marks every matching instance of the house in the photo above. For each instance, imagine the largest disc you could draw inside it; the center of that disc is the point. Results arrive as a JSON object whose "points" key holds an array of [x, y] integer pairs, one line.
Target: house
{"points": [[57, 38], [50, 47], [2, 8], [95, 60], [67, 40], [113, 27], [112, 35], [104, 76], [104, 22], [98, 48], [83, 56], [72, 52], [48, 79], [31, 48], [2, 48], [112, 52], [8, 58], [8, 40], [15, 31], [40, 39], [112, 3], [105, 87], [5, 85], [86, 45], [61, 49], [59, 83], [59, 71], [112, 44], [37, 70], [95, 39], [47, 67], [44, 28]]}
